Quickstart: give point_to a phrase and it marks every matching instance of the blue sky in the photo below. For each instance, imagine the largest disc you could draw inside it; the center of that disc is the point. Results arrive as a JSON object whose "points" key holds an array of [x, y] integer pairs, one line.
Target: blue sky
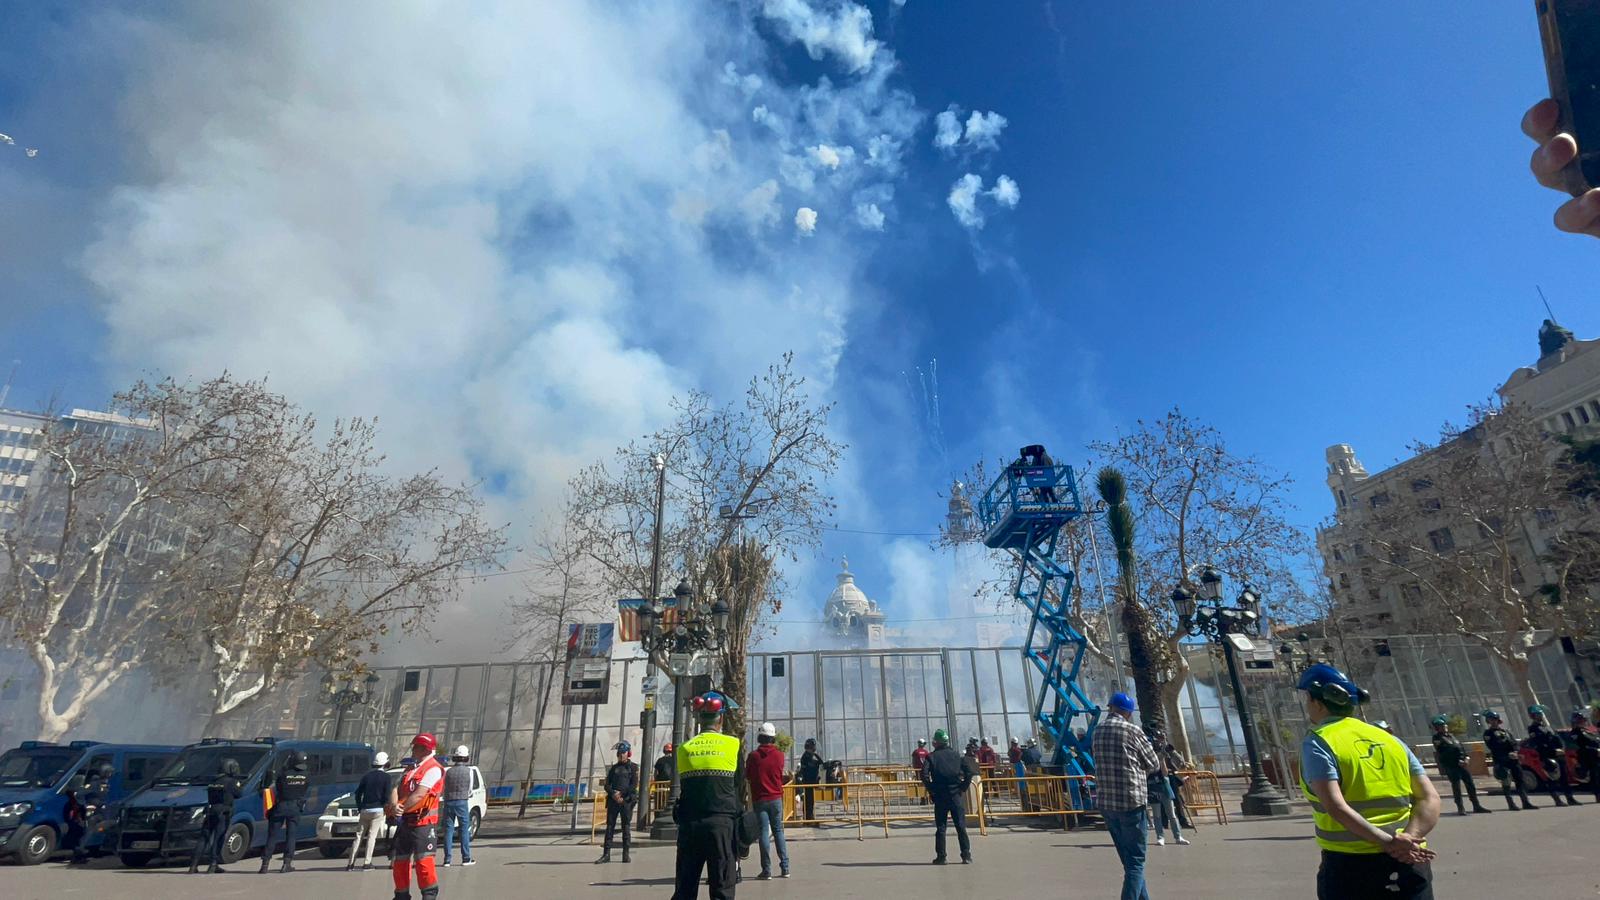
{"points": [[513, 234]]}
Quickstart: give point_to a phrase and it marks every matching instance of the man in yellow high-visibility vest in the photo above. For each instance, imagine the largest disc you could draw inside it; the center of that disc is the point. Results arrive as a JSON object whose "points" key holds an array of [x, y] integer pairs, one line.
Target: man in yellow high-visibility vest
{"points": [[1370, 798]]}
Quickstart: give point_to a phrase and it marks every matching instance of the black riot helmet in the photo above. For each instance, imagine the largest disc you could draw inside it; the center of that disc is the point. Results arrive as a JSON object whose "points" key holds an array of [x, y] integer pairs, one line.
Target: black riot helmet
{"points": [[106, 771], [230, 767], [295, 760]]}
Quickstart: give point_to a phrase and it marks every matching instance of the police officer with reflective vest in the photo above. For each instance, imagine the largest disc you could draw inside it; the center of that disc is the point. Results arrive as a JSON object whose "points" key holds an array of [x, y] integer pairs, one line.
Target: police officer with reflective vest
{"points": [[1502, 750], [220, 796], [1370, 798], [709, 776], [1452, 758], [1587, 743], [1552, 756], [416, 804], [288, 798], [622, 791]]}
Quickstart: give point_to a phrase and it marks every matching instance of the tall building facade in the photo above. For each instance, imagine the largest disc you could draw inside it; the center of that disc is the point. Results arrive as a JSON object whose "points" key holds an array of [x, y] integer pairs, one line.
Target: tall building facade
{"points": [[1562, 389]]}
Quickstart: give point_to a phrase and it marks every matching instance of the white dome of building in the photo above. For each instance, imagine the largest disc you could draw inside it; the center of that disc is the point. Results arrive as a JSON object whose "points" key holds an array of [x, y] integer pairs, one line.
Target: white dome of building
{"points": [[850, 612]]}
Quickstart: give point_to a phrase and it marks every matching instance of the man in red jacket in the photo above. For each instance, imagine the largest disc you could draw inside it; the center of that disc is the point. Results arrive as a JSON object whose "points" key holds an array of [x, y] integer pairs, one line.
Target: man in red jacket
{"points": [[763, 771], [919, 759]]}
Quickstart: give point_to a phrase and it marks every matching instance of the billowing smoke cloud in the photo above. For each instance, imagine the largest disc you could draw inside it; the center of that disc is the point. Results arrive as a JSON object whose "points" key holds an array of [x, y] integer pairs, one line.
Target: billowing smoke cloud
{"points": [[511, 231], [968, 197]]}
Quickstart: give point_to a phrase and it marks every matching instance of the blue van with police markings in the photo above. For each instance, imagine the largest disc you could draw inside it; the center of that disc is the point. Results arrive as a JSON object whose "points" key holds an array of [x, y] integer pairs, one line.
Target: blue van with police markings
{"points": [[36, 778], [164, 819]]}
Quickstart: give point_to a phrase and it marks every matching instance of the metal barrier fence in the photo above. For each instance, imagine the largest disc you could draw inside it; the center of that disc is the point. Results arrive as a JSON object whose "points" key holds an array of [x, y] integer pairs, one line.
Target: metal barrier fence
{"points": [[1203, 793]]}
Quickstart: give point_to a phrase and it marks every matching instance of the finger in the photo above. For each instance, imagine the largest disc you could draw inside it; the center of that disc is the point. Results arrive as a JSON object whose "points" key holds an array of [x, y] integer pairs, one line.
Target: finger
{"points": [[1581, 215], [1551, 157], [1542, 120]]}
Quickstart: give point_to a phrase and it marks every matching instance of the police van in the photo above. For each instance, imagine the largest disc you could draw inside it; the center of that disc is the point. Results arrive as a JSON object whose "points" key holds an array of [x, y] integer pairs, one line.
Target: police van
{"points": [[37, 777], [164, 820]]}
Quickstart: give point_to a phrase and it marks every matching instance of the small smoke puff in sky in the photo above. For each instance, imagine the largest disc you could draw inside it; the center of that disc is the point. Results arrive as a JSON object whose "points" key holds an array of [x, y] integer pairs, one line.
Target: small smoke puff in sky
{"points": [[981, 132], [1006, 193], [967, 195], [840, 30], [805, 219], [870, 216]]}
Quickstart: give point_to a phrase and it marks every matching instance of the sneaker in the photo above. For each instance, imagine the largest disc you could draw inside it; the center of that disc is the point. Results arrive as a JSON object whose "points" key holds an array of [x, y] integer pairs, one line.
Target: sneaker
{"points": [[1160, 841], [784, 874], [966, 860], [367, 867], [473, 862], [1182, 840], [938, 860], [764, 876], [447, 864]]}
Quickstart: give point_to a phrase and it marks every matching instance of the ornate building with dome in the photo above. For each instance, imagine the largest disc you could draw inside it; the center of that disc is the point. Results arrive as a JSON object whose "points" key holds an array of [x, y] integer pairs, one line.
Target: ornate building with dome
{"points": [[853, 616]]}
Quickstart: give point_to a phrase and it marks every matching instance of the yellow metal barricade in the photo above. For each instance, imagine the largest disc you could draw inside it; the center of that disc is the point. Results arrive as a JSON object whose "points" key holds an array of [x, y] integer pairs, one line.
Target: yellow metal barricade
{"points": [[1043, 796], [1202, 792]]}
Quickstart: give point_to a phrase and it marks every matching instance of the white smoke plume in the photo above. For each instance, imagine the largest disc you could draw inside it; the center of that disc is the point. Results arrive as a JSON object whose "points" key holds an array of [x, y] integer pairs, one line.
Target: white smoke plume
{"points": [[489, 225]]}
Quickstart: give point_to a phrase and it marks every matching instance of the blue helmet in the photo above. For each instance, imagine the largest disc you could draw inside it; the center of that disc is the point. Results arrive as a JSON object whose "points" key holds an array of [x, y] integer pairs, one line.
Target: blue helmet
{"points": [[1536, 710], [1492, 714], [623, 747], [1122, 701], [1331, 686]]}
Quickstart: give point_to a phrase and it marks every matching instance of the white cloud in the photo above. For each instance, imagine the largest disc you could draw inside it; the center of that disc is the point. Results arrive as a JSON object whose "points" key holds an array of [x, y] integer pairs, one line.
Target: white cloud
{"points": [[832, 157], [963, 200], [838, 28], [870, 216], [760, 205], [747, 84], [983, 130], [1006, 193], [947, 128], [967, 198], [499, 287]]}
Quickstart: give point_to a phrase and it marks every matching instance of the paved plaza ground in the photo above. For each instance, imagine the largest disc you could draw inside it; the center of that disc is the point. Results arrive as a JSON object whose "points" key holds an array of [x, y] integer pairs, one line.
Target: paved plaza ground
{"points": [[1498, 855]]}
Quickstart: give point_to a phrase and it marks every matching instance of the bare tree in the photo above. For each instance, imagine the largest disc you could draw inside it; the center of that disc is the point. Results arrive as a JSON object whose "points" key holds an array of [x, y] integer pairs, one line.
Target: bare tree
{"points": [[563, 591], [746, 482], [1195, 502], [100, 552], [330, 553], [1465, 554]]}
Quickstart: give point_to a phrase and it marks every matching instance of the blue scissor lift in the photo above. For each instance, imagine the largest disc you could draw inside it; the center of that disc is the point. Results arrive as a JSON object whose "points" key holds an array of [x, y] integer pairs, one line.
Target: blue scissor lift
{"points": [[1023, 512]]}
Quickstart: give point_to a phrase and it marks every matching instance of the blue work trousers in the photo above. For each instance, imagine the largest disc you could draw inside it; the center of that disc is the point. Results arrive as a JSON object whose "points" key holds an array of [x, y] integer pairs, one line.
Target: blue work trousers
{"points": [[1127, 829], [458, 814]]}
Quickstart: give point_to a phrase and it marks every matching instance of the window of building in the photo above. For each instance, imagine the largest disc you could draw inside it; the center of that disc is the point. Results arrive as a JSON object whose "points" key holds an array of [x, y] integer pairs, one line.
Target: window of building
{"points": [[1360, 550], [1411, 594], [1545, 517], [1381, 498], [1566, 418], [1420, 484], [1432, 504], [1366, 573], [1442, 539], [1372, 594], [1338, 555], [1385, 618], [1583, 414], [1342, 501], [1344, 579], [1399, 555]]}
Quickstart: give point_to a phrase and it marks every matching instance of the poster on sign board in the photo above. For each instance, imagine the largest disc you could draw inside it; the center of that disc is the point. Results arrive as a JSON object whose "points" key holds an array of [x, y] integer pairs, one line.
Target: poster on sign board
{"points": [[588, 664]]}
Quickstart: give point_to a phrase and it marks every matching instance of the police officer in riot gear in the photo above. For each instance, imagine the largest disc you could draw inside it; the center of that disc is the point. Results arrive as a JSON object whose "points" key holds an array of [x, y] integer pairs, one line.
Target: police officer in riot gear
{"points": [[709, 776], [1452, 758], [1587, 743], [90, 805], [809, 772], [1552, 756], [288, 799], [220, 796], [1502, 749], [622, 791]]}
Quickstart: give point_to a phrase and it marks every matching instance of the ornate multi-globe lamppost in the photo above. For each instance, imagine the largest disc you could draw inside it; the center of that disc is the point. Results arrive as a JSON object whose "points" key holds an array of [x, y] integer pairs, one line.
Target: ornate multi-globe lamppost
{"points": [[1207, 616], [697, 632], [351, 695]]}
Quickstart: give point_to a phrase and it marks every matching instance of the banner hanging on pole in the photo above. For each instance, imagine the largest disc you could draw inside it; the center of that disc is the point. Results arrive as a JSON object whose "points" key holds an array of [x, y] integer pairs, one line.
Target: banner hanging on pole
{"points": [[588, 665]]}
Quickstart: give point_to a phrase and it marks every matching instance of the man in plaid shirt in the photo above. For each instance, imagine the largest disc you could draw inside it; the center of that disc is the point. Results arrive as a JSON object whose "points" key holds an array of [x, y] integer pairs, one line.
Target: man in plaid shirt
{"points": [[1123, 763]]}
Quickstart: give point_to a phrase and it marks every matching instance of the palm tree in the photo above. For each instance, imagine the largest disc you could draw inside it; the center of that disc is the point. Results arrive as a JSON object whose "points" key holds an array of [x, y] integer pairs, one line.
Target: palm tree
{"points": [[1144, 644]]}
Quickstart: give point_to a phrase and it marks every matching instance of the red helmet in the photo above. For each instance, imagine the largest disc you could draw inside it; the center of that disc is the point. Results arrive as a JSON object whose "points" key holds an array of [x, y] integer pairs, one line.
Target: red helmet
{"points": [[426, 740]]}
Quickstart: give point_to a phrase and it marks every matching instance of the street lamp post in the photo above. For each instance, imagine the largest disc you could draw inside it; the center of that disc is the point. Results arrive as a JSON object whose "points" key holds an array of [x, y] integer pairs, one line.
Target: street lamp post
{"points": [[695, 634], [659, 463], [348, 697], [1228, 626]]}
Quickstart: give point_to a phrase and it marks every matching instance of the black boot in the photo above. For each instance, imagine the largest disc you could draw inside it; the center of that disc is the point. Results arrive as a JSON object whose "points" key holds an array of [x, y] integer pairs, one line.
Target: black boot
{"points": [[194, 866], [1526, 804], [1480, 808], [1571, 800], [1460, 810], [625, 857], [288, 866], [605, 857], [215, 869], [265, 861]]}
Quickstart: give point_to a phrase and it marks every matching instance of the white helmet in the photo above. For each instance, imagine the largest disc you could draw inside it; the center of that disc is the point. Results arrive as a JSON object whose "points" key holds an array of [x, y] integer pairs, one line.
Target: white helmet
{"points": [[380, 759], [768, 730], [461, 752], [921, 741]]}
